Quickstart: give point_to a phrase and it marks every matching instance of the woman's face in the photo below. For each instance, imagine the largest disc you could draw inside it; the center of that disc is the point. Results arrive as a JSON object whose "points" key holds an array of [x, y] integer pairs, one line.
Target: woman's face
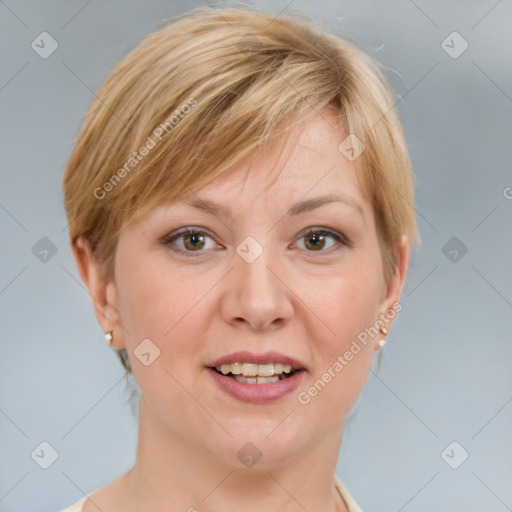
{"points": [[250, 278]]}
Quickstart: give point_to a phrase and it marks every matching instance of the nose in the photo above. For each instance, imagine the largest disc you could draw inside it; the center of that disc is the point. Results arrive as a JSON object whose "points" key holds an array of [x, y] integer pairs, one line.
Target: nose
{"points": [[257, 294]]}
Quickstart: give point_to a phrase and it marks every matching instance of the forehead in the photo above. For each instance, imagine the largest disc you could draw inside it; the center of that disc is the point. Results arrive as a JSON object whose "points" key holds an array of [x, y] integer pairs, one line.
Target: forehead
{"points": [[310, 164]]}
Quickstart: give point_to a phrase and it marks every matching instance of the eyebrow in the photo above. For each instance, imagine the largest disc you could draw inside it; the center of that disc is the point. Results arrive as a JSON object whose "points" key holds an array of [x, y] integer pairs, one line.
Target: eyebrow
{"points": [[305, 206]]}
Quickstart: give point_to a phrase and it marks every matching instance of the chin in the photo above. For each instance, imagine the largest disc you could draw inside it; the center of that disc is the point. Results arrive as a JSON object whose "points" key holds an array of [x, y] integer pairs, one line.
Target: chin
{"points": [[261, 445]]}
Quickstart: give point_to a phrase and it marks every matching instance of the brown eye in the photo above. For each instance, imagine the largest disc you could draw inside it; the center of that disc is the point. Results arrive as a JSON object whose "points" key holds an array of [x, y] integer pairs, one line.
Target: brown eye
{"points": [[316, 240], [192, 241]]}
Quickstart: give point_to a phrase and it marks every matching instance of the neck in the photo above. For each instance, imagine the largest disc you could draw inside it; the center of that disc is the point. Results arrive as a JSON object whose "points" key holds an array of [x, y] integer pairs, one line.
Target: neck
{"points": [[173, 474]]}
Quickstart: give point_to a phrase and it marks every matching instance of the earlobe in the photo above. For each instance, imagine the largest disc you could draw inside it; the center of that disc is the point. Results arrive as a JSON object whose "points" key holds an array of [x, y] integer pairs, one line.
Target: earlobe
{"points": [[101, 292]]}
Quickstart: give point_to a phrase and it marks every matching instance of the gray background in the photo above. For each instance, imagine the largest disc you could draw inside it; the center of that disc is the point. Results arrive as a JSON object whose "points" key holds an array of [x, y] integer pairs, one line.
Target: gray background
{"points": [[446, 370]]}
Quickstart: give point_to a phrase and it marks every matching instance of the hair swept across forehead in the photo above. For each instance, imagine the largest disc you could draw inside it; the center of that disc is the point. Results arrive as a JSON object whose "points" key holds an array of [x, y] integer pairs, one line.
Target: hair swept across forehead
{"points": [[202, 93]]}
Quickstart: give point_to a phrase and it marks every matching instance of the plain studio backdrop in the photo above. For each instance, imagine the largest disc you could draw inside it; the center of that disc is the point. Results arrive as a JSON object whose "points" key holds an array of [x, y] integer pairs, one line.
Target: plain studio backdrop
{"points": [[434, 425]]}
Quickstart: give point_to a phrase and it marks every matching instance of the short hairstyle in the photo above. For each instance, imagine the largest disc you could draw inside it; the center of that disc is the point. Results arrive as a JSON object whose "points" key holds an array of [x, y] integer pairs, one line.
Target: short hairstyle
{"points": [[206, 90]]}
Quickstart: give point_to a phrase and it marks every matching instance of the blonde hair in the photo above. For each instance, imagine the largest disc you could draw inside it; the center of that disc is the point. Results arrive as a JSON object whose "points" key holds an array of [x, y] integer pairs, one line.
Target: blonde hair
{"points": [[200, 94]]}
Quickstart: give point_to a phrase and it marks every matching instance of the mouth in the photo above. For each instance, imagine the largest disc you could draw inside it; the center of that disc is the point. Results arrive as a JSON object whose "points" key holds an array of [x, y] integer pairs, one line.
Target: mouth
{"points": [[248, 373], [255, 383]]}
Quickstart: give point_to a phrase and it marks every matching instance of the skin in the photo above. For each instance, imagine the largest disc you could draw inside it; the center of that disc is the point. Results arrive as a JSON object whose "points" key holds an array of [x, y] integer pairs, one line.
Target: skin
{"points": [[306, 301]]}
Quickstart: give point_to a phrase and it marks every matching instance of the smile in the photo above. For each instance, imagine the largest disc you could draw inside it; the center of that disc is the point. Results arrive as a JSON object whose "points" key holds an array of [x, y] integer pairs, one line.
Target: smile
{"points": [[250, 373], [257, 389]]}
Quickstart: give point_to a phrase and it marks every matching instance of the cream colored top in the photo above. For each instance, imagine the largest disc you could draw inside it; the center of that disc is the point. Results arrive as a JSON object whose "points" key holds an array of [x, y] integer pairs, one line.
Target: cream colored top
{"points": [[352, 506]]}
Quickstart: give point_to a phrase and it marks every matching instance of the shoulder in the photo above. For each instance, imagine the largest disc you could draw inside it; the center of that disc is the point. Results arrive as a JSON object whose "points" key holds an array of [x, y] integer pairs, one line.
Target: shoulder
{"points": [[107, 497], [352, 506], [76, 507]]}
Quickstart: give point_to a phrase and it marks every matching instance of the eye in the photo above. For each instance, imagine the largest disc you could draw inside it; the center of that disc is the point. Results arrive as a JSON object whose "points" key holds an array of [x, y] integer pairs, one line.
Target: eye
{"points": [[315, 239], [193, 240]]}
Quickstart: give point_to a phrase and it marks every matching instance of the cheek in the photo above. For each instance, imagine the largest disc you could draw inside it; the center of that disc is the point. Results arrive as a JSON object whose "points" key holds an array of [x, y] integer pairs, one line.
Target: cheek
{"points": [[348, 305], [143, 296], [164, 304], [350, 297], [352, 308]]}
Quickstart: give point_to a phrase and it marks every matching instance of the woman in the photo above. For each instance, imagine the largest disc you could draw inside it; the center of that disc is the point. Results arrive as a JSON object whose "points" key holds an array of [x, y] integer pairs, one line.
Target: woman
{"points": [[240, 203]]}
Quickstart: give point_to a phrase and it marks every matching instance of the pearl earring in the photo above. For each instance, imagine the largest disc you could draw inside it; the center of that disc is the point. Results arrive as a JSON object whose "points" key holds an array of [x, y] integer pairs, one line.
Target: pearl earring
{"points": [[383, 331], [109, 336]]}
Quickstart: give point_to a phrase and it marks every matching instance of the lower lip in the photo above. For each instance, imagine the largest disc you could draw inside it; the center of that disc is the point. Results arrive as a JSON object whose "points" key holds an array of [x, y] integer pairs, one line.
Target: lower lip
{"points": [[257, 393]]}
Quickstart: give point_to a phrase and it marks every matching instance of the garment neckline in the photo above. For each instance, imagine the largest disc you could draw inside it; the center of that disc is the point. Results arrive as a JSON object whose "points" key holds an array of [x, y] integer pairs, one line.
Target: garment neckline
{"points": [[345, 496]]}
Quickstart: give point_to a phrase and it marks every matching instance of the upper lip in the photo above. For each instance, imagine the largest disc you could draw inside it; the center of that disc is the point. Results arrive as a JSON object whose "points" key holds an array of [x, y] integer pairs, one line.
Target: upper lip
{"points": [[264, 358]]}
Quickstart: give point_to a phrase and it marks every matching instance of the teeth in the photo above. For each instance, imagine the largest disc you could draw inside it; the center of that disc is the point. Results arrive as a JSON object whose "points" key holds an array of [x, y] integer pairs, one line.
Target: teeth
{"points": [[279, 368], [224, 369], [253, 370], [236, 368], [255, 380], [249, 370]]}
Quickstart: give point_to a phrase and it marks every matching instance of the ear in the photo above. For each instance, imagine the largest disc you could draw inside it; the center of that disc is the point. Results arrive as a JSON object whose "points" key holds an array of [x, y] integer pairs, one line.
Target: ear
{"points": [[389, 305], [101, 291]]}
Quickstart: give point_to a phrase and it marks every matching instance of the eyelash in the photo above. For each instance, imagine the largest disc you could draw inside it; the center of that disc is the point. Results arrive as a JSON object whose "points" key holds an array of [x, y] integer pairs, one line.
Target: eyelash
{"points": [[171, 237]]}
